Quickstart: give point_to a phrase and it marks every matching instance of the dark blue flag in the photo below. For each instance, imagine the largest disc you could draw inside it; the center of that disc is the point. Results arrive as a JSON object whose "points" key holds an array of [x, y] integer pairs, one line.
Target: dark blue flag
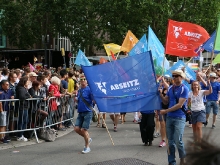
{"points": [[209, 44], [190, 74], [126, 85]]}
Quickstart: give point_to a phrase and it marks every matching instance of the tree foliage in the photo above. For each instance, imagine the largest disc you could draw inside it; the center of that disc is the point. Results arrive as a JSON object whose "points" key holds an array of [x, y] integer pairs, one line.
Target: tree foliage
{"points": [[91, 23]]}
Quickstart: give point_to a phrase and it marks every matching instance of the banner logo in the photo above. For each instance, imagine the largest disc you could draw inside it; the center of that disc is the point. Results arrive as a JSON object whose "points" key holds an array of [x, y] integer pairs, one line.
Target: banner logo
{"points": [[177, 31]]}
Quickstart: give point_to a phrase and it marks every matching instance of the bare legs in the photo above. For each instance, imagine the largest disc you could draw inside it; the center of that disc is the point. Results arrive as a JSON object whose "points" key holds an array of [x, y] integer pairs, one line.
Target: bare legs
{"points": [[197, 131], [84, 133]]}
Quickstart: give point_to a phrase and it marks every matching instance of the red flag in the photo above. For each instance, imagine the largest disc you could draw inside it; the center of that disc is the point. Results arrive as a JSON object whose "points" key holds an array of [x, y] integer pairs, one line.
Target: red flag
{"points": [[113, 56], [183, 38]]}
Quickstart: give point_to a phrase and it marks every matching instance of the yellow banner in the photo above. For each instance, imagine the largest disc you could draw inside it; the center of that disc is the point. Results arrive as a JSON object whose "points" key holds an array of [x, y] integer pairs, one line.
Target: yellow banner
{"points": [[129, 42]]}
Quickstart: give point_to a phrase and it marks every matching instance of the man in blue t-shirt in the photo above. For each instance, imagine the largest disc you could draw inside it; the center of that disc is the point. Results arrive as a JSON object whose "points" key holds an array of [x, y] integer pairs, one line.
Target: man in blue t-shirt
{"points": [[85, 100], [212, 99], [175, 122]]}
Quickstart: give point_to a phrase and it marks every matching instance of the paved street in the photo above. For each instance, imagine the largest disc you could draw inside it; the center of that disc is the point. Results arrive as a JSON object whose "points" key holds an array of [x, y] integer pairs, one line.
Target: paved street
{"points": [[67, 149]]}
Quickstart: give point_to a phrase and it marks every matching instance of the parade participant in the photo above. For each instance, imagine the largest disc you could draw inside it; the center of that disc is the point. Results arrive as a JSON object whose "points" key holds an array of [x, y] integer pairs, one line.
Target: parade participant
{"points": [[85, 101], [175, 121], [115, 119], [212, 99], [195, 101], [147, 125]]}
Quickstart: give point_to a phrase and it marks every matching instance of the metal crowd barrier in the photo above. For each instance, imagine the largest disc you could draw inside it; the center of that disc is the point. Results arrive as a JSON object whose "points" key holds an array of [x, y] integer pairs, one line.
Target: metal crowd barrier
{"points": [[32, 114]]}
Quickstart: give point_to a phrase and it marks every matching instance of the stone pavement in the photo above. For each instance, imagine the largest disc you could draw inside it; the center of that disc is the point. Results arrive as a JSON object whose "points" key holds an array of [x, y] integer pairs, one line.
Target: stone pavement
{"points": [[66, 150]]}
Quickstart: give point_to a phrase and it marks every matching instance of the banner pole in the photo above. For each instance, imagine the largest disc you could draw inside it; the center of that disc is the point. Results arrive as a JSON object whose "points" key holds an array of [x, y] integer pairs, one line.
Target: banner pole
{"points": [[107, 130]]}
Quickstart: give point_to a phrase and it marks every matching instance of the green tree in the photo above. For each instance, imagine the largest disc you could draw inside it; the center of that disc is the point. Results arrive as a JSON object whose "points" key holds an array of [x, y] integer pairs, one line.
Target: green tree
{"points": [[91, 23]]}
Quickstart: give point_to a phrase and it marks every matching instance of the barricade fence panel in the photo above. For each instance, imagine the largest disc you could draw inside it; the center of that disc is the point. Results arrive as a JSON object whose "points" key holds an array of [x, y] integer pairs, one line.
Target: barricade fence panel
{"points": [[19, 116]]}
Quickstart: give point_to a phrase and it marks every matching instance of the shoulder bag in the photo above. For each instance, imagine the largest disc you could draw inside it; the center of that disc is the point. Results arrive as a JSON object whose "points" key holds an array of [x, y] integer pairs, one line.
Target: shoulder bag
{"points": [[94, 116]]}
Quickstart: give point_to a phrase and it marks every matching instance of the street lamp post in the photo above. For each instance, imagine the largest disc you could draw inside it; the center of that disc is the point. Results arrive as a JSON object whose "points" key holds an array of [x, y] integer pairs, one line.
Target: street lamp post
{"points": [[45, 41]]}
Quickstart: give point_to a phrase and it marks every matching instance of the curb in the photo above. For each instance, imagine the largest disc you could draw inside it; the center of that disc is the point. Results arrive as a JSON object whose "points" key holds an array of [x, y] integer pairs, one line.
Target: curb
{"points": [[32, 141]]}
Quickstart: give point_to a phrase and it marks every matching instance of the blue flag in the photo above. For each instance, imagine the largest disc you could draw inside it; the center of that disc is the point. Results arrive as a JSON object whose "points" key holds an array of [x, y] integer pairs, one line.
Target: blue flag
{"points": [[126, 85], [140, 47], [190, 74], [209, 44], [81, 59], [157, 49]]}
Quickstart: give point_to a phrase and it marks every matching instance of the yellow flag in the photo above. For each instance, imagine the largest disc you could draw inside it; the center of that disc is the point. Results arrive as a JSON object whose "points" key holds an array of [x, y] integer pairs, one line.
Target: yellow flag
{"points": [[62, 52], [112, 47], [129, 42]]}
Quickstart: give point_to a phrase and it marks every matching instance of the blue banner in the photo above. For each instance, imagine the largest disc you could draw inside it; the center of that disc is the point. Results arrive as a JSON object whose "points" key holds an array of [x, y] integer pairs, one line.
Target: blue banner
{"points": [[81, 59], [157, 49], [190, 74], [126, 85], [209, 44], [140, 47]]}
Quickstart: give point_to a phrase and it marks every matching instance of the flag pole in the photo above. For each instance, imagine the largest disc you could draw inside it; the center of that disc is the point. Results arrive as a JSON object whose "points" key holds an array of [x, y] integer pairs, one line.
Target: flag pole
{"points": [[109, 58], [162, 68], [189, 61], [210, 66], [117, 55]]}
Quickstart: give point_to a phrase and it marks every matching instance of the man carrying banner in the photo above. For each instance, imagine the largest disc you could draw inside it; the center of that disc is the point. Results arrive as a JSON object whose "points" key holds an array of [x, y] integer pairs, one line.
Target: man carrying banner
{"points": [[175, 122], [85, 99]]}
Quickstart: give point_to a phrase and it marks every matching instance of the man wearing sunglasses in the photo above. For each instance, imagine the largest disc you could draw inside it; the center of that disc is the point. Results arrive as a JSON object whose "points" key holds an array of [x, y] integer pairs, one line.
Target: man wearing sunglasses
{"points": [[212, 99], [85, 101], [175, 122]]}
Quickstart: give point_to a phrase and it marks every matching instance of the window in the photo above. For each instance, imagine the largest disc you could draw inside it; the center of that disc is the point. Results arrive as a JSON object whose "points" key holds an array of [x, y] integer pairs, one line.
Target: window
{"points": [[2, 39]]}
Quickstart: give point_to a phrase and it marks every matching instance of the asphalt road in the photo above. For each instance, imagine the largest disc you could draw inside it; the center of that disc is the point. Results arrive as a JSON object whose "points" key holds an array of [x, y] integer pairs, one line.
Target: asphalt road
{"points": [[67, 150]]}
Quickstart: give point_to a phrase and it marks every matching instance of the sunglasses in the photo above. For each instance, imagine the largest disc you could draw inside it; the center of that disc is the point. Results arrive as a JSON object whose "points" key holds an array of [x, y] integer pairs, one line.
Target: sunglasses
{"points": [[83, 79], [175, 76]]}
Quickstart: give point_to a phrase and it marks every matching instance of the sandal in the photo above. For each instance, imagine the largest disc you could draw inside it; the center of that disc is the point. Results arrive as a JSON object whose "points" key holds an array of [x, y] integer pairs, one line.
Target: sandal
{"points": [[103, 126], [98, 125]]}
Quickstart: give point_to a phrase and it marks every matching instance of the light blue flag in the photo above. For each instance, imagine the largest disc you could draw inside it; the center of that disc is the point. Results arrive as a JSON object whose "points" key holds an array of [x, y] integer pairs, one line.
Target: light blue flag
{"points": [[190, 74], [81, 59], [126, 85], [157, 49], [140, 47], [209, 44]]}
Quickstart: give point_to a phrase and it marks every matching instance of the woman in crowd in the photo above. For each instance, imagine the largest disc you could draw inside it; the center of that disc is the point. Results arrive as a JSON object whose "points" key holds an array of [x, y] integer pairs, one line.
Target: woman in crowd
{"points": [[54, 92], [195, 101], [22, 94], [35, 92]]}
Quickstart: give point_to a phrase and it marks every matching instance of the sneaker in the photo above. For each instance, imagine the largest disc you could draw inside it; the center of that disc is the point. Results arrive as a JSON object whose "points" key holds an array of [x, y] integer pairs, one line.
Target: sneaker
{"points": [[86, 150], [7, 138], [213, 126], [22, 139], [156, 135], [4, 141], [162, 144], [150, 143]]}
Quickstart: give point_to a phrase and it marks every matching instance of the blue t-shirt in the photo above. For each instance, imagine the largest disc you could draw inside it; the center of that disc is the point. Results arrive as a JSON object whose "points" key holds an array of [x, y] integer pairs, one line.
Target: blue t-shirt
{"points": [[174, 92], [4, 96], [87, 95], [215, 89], [64, 84]]}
